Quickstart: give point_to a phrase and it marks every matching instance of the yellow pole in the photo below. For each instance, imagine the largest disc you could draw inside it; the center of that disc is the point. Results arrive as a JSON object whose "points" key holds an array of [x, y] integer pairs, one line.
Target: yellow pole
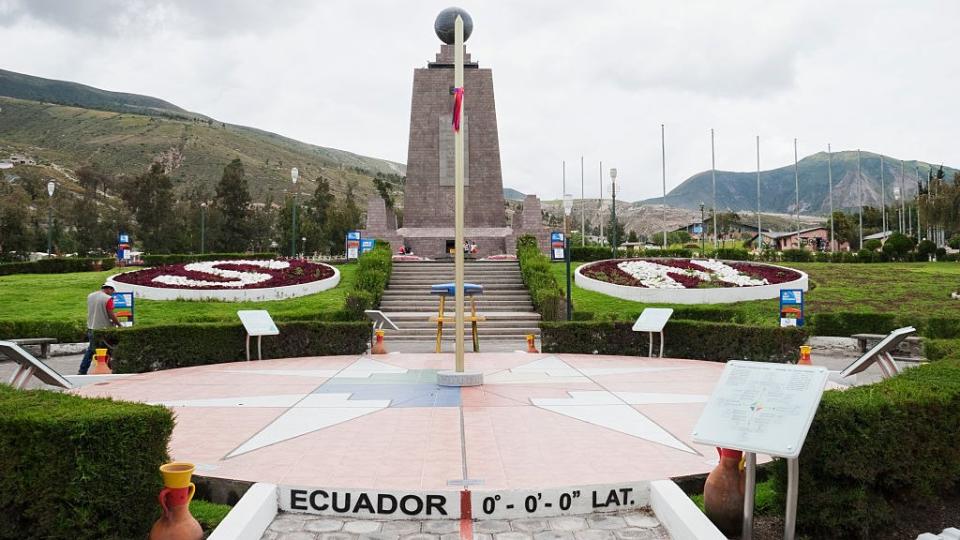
{"points": [[458, 196]]}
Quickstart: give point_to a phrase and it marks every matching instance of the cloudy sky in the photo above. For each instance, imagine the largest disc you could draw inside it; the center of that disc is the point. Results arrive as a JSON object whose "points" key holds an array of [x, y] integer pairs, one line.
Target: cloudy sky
{"points": [[572, 78]]}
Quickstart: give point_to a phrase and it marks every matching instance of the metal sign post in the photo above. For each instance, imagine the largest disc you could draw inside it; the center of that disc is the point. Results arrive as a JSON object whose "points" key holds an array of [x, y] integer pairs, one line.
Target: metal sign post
{"points": [[257, 322], [653, 320], [766, 408]]}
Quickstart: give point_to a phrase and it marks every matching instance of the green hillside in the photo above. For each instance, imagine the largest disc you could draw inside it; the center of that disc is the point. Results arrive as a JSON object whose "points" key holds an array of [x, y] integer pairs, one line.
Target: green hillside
{"points": [[738, 190], [66, 125]]}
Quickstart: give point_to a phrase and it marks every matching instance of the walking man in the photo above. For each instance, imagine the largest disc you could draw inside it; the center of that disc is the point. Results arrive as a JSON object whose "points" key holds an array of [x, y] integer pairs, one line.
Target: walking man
{"points": [[99, 315]]}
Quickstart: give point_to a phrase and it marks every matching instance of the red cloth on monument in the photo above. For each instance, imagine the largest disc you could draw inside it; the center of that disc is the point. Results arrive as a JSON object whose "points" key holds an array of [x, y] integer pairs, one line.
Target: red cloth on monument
{"points": [[457, 108]]}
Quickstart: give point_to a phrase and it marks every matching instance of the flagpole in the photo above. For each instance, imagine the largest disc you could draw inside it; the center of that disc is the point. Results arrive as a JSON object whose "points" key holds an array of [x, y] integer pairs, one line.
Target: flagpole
{"points": [[458, 198], [583, 219], [796, 177], [759, 230], [713, 174], [663, 161], [860, 197], [600, 207], [830, 179], [883, 199], [903, 199]]}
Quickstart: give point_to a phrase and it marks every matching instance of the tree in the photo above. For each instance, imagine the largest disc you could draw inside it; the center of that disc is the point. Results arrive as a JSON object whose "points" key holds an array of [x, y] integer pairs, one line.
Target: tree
{"points": [[897, 246], [843, 228], [632, 236], [621, 232], [342, 218], [150, 198], [14, 216], [233, 203], [85, 211]]}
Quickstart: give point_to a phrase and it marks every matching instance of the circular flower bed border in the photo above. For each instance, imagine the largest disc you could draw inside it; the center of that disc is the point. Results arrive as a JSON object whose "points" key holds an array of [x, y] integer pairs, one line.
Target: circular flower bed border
{"points": [[710, 295], [250, 294]]}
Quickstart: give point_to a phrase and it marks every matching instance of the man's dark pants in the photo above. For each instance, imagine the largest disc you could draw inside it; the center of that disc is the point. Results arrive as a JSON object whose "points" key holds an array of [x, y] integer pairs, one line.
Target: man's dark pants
{"points": [[87, 356]]}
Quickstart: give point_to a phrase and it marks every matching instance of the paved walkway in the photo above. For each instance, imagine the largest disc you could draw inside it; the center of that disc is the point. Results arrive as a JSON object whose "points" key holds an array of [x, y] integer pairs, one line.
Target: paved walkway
{"points": [[637, 525]]}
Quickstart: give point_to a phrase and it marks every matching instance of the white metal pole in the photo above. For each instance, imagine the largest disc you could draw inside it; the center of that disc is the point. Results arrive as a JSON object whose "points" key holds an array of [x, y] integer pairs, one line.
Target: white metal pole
{"points": [[796, 177], [713, 174], [583, 219], [458, 197], [663, 161], [600, 208], [883, 199], [759, 230], [830, 179], [903, 199], [860, 198]]}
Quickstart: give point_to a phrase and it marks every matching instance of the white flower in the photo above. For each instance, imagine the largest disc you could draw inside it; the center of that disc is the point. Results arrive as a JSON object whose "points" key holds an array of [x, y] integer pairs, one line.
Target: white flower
{"points": [[655, 276], [729, 274]]}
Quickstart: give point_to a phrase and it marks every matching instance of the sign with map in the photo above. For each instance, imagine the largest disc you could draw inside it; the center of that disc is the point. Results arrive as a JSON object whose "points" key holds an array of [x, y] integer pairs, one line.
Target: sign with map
{"points": [[762, 407]]}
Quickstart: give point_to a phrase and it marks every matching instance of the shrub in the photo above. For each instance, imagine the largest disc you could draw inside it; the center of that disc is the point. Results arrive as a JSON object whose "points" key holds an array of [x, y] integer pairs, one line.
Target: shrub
{"points": [[847, 323], [954, 241], [797, 255], [938, 349], [150, 348], [872, 449], [57, 265], [62, 331], [898, 247], [925, 249], [545, 292], [732, 254], [79, 468], [590, 253], [178, 258], [873, 244], [373, 274], [684, 339]]}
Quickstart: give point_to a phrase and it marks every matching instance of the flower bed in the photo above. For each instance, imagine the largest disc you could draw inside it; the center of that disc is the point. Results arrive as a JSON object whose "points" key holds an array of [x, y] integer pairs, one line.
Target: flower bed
{"points": [[233, 280], [686, 281]]}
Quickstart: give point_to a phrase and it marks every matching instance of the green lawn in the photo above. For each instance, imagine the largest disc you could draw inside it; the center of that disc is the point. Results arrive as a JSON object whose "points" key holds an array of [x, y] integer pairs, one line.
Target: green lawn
{"points": [[905, 288], [59, 297]]}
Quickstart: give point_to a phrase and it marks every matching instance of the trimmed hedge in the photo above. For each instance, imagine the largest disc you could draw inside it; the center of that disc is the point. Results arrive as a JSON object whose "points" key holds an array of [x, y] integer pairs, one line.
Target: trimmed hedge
{"points": [[177, 258], [57, 265], [79, 468], [938, 349], [847, 323], [696, 340], [62, 331], [601, 253], [873, 449], [545, 291], [151, 348], [373, 273]]}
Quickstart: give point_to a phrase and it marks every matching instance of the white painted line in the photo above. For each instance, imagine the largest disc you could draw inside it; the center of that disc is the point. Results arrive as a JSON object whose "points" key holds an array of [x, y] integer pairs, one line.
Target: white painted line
{"points": [[251, 516], [677, 513]]}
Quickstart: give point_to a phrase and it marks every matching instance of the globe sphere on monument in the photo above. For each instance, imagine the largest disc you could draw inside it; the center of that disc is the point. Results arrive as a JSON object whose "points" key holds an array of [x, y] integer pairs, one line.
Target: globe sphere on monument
{"points": [[444, 25]]}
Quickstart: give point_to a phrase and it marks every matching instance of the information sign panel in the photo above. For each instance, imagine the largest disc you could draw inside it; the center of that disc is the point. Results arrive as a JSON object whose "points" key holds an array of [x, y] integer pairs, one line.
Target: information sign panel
{"points": [[556, 246], [123, 307], [791, 307], [353, 244], [257, 322], [762, 407], [652, 320], [366, 244]]}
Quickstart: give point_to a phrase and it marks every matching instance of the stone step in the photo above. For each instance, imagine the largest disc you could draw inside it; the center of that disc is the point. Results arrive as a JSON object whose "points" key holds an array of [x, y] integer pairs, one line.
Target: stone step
{"points": [[486, 287], [428, 308], [519, 339], [400, 316], [448, 332], [425, 323], [514, 296], [430, 282]]}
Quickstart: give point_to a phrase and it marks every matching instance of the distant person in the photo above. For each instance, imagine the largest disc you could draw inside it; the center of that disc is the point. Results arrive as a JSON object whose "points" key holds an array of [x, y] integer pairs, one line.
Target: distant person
{"points": [[99, 315]]}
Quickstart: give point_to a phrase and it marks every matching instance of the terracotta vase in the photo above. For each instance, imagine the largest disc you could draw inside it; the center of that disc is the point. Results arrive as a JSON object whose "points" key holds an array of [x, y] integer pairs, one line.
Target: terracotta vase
{"points": [[176, 523], [723, 493], [378, 347]]}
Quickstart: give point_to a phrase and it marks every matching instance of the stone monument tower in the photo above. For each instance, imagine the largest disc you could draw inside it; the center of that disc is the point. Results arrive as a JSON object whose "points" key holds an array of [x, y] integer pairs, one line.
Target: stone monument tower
{"points": [[428, 213]]}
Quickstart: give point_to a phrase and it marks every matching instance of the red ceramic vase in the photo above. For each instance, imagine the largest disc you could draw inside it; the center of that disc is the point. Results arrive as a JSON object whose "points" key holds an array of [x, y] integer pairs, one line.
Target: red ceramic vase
{"points": [[176, 523], [723, 493]]}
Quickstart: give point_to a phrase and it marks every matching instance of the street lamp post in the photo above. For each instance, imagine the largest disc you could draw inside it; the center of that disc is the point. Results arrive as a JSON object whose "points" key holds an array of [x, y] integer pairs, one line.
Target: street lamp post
{"points": [[303, 246], [613, 198], [702, 230], [294, 175], [51, 187], [203, 227]]}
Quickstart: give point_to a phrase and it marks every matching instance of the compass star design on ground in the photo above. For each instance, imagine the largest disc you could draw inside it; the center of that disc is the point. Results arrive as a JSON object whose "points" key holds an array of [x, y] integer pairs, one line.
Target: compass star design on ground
{"points": [[368, 386]]}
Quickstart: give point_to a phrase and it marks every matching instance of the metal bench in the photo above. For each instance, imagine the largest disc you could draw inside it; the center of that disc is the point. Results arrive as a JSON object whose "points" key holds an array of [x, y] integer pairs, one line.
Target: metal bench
{"points": [[43, 342]]}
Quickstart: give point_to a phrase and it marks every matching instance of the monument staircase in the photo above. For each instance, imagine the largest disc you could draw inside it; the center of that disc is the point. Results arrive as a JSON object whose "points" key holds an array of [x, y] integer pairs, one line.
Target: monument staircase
{"points": [[505, 301]]}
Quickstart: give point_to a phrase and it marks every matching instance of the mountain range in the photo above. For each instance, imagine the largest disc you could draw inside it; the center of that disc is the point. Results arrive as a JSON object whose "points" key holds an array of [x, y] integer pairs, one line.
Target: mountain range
{"points": [[738, 190], [64, 125]]}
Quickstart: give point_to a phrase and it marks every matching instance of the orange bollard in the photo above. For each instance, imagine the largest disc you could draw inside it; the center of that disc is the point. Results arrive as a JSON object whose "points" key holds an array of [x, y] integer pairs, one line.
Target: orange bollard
{"points": [[804, 356], [101, 367], [378, 347], [531, 344]]}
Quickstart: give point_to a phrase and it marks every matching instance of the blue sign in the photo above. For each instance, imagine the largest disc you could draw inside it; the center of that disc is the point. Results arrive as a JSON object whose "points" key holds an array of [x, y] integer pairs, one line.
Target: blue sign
{"points": [[353, 235], [791, 307], [698, 229], [123, 307], [366, 244], [556, 246], [124, 238]]}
